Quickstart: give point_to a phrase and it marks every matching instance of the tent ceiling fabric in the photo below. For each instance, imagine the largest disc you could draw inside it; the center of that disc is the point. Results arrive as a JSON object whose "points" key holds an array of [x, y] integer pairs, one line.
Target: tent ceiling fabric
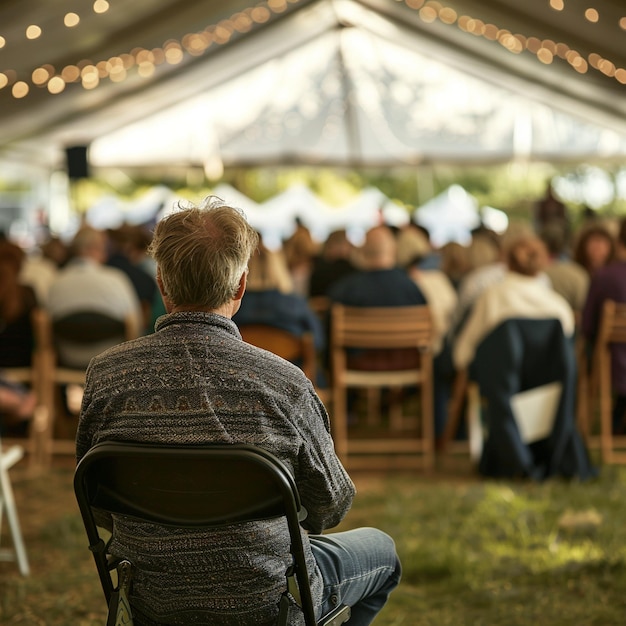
{"points": [[322, 81]]}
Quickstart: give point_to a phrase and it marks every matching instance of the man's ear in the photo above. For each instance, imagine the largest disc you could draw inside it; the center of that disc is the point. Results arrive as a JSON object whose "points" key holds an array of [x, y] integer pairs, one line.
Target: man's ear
{"points": [[242, 286]]}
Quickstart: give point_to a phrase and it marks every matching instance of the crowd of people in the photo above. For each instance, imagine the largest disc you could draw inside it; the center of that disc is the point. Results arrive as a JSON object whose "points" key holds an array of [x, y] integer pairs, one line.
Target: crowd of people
{"points": [[84, 276], [188, 377], [531, 270]]}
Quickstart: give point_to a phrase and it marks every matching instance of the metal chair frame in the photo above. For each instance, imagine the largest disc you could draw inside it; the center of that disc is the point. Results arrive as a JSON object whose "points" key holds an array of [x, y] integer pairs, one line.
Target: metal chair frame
{"points": [[195, 487]]}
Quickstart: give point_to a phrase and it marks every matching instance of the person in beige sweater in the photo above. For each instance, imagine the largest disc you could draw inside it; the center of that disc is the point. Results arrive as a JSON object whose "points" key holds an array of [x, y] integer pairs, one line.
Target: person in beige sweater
{"points": [[520, 294]]}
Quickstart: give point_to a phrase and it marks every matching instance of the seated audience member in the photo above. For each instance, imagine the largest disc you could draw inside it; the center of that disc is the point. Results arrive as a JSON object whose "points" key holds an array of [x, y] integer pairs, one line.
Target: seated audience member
{"points": [[442, 299], [300, 250], [454, 262], [86, 284], [595, 247], [609, 283], [270, 298], [521, 293], [333, 263], [437, 288], [195, 381], [567, 277], [124, 256], [379, 281], [485, 267], [17, 302], [41, 267], [431, 259]]}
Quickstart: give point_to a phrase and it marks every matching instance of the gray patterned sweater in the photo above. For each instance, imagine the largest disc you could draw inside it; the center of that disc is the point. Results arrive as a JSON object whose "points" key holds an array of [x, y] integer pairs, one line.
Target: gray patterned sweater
{"points": [[195, 381]]}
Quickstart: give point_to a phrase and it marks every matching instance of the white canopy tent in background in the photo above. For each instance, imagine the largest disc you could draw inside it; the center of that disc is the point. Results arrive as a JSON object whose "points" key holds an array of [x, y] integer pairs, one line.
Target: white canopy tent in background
{"points": [[453, 214], [449, 217]]}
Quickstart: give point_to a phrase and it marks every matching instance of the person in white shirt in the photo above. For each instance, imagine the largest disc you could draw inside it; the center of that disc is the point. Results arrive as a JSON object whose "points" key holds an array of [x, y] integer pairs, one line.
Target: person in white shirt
{"points": [[85, 284]]}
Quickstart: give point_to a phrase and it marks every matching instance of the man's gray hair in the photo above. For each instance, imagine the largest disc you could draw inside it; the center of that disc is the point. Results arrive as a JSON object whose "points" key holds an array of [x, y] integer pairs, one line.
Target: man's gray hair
{"points": [[201, 252]]}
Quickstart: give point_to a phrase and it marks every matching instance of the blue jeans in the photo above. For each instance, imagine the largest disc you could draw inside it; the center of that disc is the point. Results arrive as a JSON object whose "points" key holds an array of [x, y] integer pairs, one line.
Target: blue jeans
{"points": [[360, 568]]}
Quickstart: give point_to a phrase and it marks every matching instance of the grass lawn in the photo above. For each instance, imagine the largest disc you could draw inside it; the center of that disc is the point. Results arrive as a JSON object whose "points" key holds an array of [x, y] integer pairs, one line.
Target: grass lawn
{"points": [[474, 552]]}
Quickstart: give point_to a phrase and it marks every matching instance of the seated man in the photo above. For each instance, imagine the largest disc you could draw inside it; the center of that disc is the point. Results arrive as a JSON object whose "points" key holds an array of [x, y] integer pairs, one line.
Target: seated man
{"points": [[379, 281], [87, 285], [195, 381]]}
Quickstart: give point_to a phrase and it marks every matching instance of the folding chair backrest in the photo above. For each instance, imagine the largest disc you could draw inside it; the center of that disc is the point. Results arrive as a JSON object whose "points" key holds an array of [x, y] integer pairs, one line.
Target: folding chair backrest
{"points": [[514, 365], [88, 326], [381, 327], [188, 486]]}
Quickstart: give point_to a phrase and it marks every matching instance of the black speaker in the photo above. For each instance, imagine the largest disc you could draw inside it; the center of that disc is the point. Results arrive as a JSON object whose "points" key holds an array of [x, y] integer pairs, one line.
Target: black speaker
{"points": [[77, 162]]}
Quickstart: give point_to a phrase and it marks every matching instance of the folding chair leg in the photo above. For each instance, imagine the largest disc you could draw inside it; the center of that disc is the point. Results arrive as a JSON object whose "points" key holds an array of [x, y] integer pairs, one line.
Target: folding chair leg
{"points": [[7, 503]]}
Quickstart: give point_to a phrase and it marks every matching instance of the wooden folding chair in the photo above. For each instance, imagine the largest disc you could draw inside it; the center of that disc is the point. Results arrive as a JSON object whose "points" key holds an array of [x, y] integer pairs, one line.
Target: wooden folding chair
{"points": [[407, 328], [8, 458], [54, 375], [612, 331]]}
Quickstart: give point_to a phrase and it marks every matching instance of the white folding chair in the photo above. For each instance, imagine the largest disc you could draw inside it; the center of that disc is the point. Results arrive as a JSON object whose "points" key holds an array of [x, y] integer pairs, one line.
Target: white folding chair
{"points": [[8, 458]]}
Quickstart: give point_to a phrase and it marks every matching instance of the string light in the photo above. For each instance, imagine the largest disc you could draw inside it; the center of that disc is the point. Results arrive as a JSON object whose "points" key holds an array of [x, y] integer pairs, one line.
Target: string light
{"points": [[545, 50], [100, 6], [56, 85], [20, 89], [33, 31], [116, 69], [71, 20]]}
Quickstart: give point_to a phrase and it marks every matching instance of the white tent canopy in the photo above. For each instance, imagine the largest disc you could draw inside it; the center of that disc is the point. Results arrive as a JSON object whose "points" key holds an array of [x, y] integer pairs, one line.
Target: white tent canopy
{"points": [[370, 92], [334, 82]]}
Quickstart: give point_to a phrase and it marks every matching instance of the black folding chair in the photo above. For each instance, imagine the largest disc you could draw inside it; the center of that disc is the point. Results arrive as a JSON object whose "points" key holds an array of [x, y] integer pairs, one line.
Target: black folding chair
{"points": [[194, 487]]}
